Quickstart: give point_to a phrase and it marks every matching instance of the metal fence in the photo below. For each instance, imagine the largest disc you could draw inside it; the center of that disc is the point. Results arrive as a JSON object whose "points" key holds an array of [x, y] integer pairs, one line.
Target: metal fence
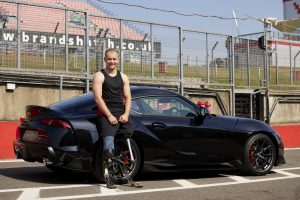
{"points": [[71, 36], [43, 37]]}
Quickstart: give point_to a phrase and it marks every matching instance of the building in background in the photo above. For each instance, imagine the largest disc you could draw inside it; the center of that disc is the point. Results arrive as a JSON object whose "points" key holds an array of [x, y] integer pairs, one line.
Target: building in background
{"points": [[291, 9]]}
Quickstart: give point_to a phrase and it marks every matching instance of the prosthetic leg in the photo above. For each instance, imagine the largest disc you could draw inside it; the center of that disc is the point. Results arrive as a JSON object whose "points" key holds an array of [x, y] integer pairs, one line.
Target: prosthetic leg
{"points": [[108, 155], [125, 172]]}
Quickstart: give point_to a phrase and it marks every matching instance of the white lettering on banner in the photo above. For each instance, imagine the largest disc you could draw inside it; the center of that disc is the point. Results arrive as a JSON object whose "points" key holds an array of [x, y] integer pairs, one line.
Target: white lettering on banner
{"points": [[52, 40], [73, 40], [124, 45], [110, 44], [79, 41], [8, 37], [25, 38], [144, 47], [130, 46], [43, 39], [62, 40], [34, 37]]}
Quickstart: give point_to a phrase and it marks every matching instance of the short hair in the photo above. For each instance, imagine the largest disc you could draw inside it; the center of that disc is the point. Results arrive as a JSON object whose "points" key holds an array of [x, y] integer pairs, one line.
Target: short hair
{"points": [[111, 50]]}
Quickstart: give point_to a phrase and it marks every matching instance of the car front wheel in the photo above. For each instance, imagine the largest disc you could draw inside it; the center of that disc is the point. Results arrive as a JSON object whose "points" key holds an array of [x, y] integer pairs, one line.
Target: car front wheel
{"points": [[259, 155]]}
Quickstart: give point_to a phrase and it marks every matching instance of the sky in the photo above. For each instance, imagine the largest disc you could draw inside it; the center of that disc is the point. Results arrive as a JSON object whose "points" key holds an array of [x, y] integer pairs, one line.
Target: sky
{"points": [[243, 9]]}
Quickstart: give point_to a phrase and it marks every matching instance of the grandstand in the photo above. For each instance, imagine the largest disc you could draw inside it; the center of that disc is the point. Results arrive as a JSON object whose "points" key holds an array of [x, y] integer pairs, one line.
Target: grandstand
{"points": [[32, 19], [47, 26]]}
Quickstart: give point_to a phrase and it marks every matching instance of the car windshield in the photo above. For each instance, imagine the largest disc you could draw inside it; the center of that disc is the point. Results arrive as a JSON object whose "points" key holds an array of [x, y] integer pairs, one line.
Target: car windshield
{"points": [[166, 106]]}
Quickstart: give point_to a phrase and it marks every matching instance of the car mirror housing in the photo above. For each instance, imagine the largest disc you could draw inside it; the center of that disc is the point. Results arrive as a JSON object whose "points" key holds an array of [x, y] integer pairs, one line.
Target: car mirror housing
{"points": [[202, 111]]}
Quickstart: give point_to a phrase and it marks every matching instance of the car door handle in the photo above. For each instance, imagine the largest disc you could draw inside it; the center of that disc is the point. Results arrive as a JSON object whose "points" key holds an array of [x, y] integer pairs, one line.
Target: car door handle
{"points": [[157, 125]]}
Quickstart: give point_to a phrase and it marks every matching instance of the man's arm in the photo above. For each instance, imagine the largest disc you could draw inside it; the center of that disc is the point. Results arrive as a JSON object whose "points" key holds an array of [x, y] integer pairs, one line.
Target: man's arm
{"points": [[97, 90], [127, 98]]}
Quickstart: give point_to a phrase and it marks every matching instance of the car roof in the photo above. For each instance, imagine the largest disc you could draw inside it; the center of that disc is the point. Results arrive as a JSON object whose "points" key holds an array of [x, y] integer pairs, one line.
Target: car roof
{"points": [[137, 91], [80, 102]]}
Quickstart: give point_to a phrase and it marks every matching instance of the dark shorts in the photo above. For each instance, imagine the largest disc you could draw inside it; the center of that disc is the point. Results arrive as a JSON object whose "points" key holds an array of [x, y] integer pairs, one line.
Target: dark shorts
{"points": [[106, 129]]}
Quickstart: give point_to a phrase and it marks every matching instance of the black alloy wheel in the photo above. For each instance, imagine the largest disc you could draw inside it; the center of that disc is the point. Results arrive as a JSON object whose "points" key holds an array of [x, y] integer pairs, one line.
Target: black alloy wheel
{"points": [[259, 155]]}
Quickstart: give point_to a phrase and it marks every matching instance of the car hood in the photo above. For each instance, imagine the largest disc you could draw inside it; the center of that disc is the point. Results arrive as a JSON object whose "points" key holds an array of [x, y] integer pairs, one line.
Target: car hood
{"points": [[243, 124]]}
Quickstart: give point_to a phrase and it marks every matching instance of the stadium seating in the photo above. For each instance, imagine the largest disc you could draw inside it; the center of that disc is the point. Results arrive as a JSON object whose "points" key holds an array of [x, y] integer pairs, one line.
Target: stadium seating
{"points": [[42, 19]]}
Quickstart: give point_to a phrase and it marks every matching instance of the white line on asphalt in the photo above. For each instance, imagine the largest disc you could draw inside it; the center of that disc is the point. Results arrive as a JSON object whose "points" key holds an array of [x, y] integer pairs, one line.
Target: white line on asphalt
{"points": [[108, 192], [31, 193], [165, 189], [185, 183], [105, 192], [50, 187], [237, 178], [279, 171], [11, 160], [290, 149]]}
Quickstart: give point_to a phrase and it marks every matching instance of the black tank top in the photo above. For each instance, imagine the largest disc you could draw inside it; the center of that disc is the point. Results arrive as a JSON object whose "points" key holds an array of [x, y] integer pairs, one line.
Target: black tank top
{"points": [[112, 93]]}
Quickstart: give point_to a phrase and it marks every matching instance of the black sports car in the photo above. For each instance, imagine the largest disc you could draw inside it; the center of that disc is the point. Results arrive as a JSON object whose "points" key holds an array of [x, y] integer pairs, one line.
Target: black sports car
{"points": [[171, 132]]}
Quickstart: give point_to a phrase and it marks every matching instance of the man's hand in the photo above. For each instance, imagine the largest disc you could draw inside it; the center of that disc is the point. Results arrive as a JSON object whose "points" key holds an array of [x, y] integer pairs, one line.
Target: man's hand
{"points": [[112, 120], [123, 118]]}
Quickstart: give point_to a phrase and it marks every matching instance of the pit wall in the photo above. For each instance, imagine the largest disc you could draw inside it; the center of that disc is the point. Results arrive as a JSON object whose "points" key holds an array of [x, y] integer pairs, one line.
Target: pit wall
{"points": [[13, 102]]}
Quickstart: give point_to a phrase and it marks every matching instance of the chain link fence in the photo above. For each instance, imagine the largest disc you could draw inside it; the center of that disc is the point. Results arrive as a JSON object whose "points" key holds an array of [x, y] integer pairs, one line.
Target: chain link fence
{"points": [[72, 36]]}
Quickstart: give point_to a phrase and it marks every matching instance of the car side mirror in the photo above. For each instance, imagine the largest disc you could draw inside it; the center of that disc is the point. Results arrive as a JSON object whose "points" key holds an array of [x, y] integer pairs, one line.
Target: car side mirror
{"points": [[202, 111]]}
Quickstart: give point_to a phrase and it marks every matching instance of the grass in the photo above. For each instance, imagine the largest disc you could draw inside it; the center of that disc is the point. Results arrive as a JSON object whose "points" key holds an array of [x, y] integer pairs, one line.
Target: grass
{"points": [[220, 75]]}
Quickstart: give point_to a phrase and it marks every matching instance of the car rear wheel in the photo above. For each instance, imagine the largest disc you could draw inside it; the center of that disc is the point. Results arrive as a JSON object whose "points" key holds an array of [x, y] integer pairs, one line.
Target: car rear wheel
{"points": [[259, 155], [122, 161]]}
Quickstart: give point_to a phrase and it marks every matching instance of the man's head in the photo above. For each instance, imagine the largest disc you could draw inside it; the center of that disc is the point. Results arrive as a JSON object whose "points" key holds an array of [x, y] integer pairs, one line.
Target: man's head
{"points": [[111, 58]]}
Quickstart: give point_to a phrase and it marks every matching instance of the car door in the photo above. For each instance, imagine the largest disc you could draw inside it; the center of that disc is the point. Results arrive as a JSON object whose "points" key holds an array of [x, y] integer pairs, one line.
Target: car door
{"points": [[170, 118]]}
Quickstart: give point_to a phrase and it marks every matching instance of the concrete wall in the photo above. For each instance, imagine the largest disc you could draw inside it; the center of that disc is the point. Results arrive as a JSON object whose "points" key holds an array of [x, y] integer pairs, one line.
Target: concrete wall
{"points": [[286, 109], [211, 96], [13, 102]]}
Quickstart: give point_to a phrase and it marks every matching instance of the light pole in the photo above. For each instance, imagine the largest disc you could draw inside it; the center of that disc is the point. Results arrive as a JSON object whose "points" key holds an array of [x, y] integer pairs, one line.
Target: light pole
{"points": [[142, 46], [100, 46], [54, 35], [266, 74], [97, 51], [212, 57]]}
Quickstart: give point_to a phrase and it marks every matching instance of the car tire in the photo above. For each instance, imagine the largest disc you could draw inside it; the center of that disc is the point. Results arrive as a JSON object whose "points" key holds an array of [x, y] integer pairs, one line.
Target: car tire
{"points": [[120, 148], [259, 155]]}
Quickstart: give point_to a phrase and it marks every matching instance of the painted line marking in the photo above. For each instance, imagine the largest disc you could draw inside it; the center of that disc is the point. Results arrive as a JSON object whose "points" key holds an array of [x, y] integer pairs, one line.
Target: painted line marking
{"points": [[239, 179], [185, 183], [13, 160], [107, 192], [164, 189], [31, 192], [283, 172], [50, 187], [290, 149]]}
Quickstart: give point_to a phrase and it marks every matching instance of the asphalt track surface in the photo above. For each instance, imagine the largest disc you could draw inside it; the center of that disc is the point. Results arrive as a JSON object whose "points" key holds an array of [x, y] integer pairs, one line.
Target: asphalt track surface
{"points": [[22, 180]]}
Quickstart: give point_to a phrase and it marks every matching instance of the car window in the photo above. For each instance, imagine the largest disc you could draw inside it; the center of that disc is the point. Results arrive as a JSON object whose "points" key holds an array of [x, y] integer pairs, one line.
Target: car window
{"points": [[166, 106], [135, 107]]}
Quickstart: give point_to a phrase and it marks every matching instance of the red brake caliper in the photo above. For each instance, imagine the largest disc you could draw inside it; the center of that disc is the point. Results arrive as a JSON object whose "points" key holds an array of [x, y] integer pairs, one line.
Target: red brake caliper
{"points": [[125, 159], [251, 154]]}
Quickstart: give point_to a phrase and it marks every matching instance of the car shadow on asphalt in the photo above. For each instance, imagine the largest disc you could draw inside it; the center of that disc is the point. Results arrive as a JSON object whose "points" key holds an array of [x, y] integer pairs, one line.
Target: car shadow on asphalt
{"points": [[184, 174], [44, 175], [40, 174]]}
